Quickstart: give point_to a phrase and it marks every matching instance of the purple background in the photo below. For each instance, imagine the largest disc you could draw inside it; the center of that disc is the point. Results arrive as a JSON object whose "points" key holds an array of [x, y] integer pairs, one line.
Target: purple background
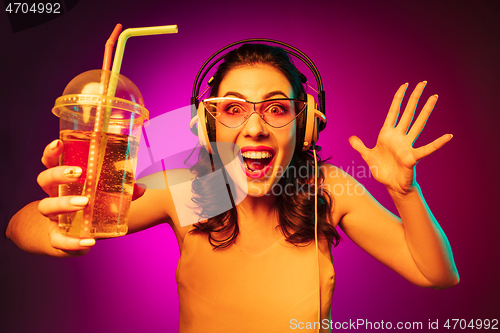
{"points": [[364, 51]]}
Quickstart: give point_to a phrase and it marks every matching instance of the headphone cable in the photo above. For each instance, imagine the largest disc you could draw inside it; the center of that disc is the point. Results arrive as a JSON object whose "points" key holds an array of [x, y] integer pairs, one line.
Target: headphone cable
{"points": [[316, 230]]}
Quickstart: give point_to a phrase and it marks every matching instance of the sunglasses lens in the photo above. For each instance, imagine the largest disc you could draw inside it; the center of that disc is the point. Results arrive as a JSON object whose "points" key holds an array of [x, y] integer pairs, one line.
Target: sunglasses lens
{"points": [[233, 112]]}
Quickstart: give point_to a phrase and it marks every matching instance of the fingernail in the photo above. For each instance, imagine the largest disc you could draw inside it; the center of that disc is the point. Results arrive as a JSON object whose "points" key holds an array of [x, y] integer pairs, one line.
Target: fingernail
{"points": [[73, 172], [451, 136], [54, 144], [87, 242], [424, 82], [436, 95], [79, 201]]}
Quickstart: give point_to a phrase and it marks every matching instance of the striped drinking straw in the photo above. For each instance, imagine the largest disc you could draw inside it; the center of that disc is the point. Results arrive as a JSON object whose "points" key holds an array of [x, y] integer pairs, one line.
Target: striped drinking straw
{"points": [[98, 139]]}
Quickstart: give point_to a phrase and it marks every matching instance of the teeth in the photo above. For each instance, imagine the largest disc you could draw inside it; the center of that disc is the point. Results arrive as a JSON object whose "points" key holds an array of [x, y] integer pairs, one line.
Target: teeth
{"points": [[256, 154]]}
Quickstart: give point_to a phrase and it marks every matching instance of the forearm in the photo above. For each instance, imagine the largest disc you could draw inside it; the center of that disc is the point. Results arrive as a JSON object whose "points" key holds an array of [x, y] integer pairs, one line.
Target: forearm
{"points": [[427, 243], [29, 230]]}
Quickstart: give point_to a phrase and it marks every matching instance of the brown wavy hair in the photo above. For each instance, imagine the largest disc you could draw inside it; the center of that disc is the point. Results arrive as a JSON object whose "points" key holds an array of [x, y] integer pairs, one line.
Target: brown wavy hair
{"points": [[295, 210]]}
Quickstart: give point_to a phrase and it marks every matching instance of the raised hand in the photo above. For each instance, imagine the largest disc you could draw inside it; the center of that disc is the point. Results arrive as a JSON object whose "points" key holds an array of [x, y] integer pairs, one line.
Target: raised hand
{"points": [[392, 161]]}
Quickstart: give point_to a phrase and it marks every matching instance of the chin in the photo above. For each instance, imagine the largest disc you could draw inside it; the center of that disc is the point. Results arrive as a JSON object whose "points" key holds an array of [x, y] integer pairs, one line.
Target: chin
{"points": [[258, 190], [262, 187]]}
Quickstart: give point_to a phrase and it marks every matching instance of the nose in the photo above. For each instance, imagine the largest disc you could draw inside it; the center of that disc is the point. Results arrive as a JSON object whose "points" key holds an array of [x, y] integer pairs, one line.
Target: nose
{"points": [[255, 126]]}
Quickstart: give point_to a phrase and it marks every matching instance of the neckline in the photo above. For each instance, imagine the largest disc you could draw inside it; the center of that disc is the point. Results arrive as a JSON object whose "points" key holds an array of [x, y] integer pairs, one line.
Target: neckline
{"points": [[263, 251]]}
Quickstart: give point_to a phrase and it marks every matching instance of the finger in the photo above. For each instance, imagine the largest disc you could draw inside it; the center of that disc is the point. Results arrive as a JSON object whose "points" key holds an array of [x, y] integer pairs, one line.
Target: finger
{"points": [[409, 112], [432, 147], [51, 207], [358, 145], [392, 116], [71, 245], [50, 179], [51, 153], [419, 124]]}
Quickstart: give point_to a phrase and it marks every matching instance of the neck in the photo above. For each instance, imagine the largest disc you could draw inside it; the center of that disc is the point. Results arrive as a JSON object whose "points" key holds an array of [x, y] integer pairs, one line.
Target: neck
{"points": [[258, 216], [258, 206]]}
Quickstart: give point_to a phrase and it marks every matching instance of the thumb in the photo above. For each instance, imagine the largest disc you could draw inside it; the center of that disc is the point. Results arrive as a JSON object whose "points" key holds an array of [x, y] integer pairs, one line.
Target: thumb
{"points": [[358, 145]]}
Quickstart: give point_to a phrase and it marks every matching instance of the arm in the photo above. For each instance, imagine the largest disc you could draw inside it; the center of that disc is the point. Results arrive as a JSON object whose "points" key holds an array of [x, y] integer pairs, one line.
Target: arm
{"points": [[415, 245], [30, 231], [35, 229], [426, 241]]}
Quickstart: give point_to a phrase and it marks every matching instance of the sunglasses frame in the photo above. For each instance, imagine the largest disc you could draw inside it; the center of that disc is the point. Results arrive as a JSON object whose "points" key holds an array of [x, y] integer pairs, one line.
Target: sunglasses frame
{"points": [[254, 111]]}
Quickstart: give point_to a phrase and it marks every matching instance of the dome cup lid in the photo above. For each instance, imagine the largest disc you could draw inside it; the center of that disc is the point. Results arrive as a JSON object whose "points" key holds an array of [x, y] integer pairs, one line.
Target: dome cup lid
{"points": [[85, 90]]}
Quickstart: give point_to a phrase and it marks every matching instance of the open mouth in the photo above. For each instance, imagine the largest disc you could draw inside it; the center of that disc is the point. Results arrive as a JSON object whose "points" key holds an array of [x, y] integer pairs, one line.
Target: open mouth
{"points": [[257, 160]]}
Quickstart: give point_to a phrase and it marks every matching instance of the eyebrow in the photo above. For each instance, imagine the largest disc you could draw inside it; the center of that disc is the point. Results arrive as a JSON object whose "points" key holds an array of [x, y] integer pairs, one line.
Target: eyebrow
{"points": [[274, 93], [235, 94], [266, 96]]}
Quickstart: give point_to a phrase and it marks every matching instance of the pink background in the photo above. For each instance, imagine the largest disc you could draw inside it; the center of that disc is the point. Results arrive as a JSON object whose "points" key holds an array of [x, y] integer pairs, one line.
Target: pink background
{"points": [[364, 50]]}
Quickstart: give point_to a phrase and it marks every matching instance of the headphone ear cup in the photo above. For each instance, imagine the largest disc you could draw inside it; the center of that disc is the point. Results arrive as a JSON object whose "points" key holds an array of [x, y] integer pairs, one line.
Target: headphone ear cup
{"points": [[300, 129], [202, 129], [311, 126]]}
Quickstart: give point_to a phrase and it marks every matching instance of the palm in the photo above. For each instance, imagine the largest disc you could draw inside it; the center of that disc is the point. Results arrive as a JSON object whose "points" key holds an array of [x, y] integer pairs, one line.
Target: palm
{"points": [[392, 161]]}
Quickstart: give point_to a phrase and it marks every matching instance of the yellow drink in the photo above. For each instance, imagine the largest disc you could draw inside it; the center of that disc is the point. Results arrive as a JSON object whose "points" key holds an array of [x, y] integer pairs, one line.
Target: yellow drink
{"points": [[114, 187]]}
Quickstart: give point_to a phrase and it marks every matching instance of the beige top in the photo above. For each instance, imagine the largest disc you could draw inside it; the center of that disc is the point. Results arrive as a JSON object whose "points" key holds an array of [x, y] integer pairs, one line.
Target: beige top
{"points": [[229, 290]]}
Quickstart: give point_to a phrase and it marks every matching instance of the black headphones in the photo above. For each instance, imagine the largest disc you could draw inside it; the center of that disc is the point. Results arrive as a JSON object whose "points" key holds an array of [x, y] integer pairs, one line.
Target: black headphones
{"points": [[309, 124]]}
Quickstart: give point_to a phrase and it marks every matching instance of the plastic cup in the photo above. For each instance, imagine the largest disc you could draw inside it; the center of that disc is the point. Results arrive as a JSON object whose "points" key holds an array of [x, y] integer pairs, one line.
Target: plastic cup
{"points": [[83, 97]]}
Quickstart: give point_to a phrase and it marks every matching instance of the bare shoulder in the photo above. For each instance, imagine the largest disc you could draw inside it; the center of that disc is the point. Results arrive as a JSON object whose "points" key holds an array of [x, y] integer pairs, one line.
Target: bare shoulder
{"points": [[338, 181], [343, 188], [355, 209]]}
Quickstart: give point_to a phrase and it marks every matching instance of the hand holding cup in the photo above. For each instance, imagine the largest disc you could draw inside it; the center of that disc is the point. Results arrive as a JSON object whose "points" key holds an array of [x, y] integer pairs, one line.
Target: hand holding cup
{"points": [[49, 180]]}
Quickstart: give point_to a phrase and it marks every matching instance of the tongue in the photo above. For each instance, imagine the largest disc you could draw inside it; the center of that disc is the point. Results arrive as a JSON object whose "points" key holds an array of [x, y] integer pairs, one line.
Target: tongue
{"points": [[257, 164]]}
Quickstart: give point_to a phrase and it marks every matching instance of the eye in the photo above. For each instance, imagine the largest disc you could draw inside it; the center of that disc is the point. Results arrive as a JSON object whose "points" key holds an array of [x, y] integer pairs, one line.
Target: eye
{"points": [[234, 109], [276, 109]]}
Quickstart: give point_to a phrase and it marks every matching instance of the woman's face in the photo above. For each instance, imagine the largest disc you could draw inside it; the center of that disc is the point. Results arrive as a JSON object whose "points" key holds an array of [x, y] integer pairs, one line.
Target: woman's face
{"points": [[264, 151]]}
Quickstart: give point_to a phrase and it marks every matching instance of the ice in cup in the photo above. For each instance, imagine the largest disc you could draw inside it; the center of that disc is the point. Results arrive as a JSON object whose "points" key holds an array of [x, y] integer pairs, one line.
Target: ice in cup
{"points": [[118, 146]]}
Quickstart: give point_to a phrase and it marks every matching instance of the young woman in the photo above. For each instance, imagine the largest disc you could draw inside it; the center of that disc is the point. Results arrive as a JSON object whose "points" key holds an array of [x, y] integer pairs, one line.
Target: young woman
{"points": [[254, 267]]}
